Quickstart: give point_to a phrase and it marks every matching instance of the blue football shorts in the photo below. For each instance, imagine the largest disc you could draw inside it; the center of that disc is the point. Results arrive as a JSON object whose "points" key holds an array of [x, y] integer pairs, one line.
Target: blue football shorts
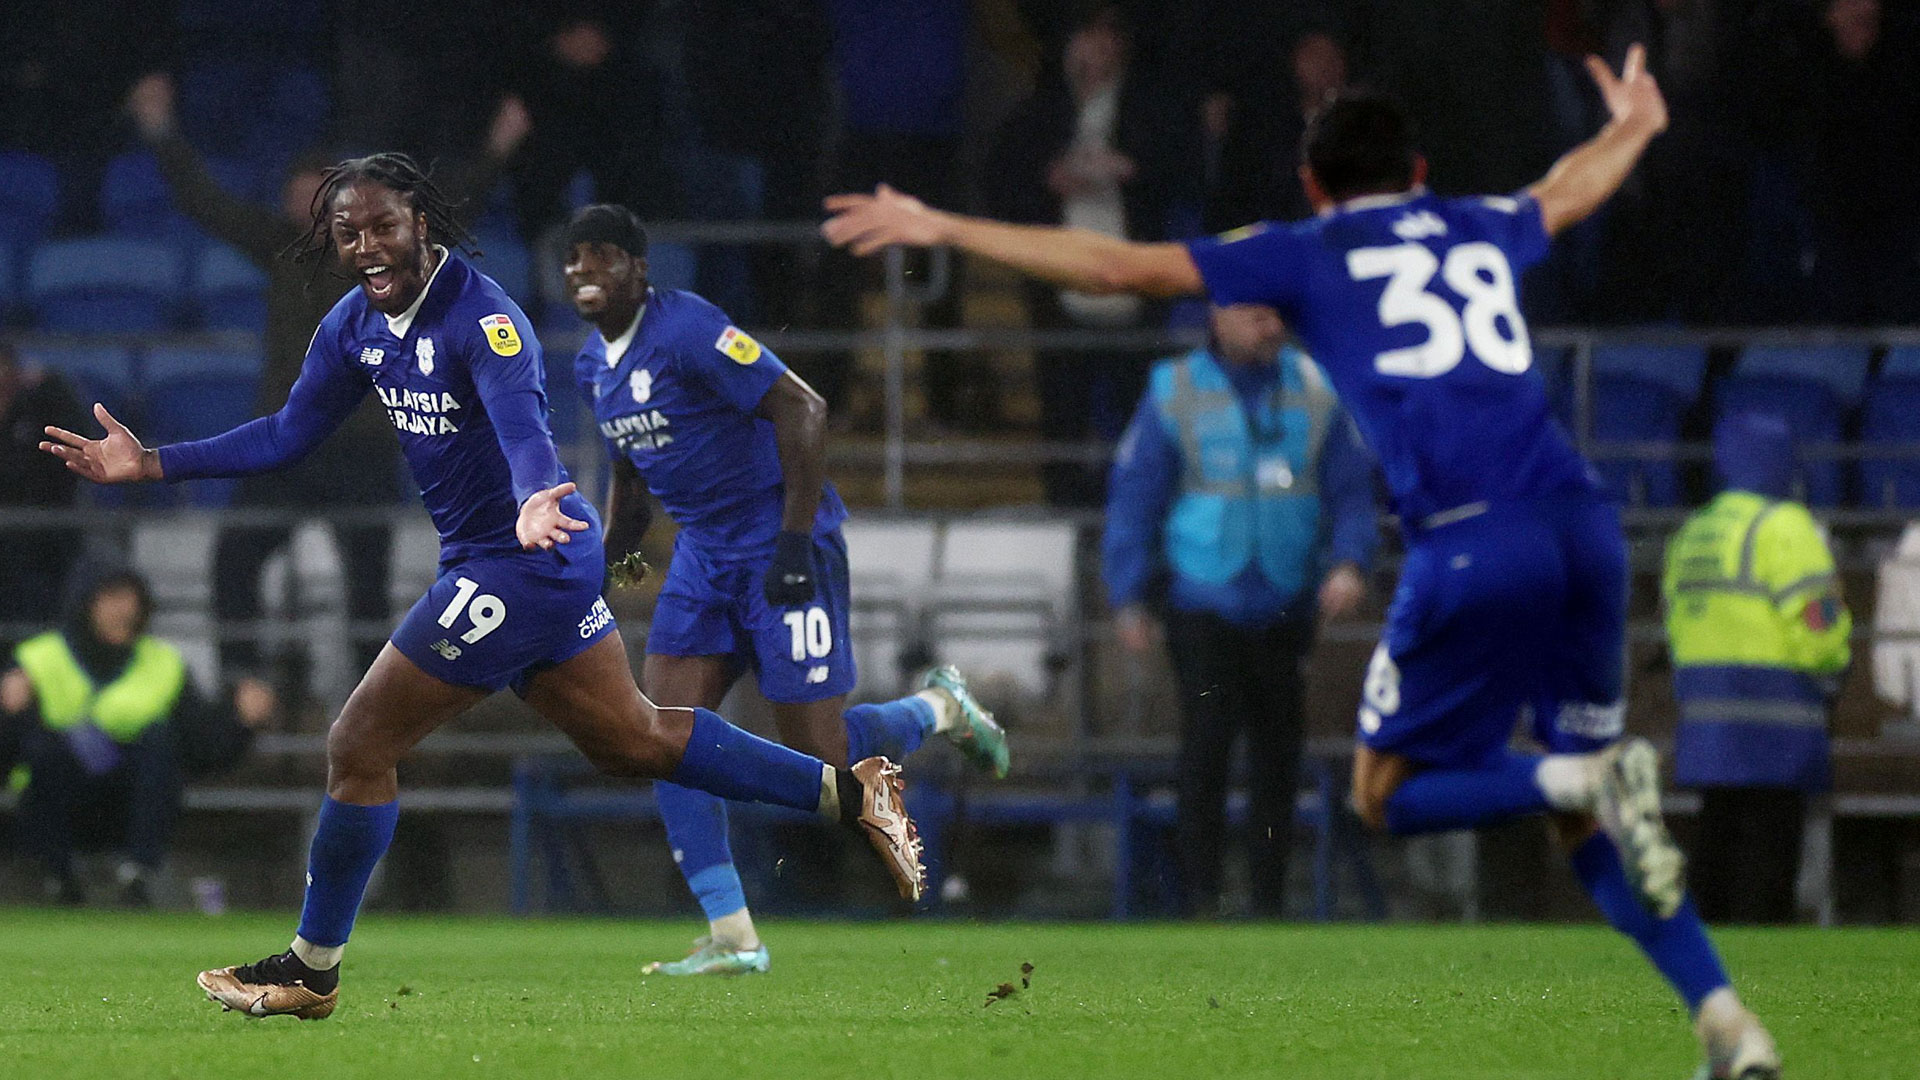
{"points": [[713, 603], [1513, 614], [495, 621]]}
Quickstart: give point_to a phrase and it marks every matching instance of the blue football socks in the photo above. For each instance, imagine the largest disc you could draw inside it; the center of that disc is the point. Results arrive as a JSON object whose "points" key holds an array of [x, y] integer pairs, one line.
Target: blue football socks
{"points": [[1440, 799], [346, 847], [893, 729], [723, 760], [697, 830], [1677, 946]]}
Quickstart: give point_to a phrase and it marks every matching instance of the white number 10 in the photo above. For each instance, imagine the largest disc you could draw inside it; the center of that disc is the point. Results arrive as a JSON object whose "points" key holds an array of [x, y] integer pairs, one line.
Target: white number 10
{"points": [[812, 634], [486, 610], [1480, 274]]}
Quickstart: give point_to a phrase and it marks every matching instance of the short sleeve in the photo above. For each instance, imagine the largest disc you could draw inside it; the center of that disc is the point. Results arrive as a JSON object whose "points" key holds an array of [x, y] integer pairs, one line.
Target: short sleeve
{"points": [[1514, 224], [1257, 264], [729, 362]]}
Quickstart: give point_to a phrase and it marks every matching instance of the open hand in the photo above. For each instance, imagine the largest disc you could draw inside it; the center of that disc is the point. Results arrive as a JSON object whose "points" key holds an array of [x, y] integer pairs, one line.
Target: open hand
{"points": [[866, 223], [1633, 99], [542, 523], [150, 102], [117, 459], [1341, 592]]}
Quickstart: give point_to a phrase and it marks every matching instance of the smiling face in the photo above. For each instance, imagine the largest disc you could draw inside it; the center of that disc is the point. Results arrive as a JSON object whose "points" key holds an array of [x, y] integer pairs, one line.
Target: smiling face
{"points": [[607, 285], [382, 241]]}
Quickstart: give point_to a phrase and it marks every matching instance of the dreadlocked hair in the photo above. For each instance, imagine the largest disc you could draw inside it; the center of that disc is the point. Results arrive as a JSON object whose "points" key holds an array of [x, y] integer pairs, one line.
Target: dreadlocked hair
{"points": [[397, 172]]}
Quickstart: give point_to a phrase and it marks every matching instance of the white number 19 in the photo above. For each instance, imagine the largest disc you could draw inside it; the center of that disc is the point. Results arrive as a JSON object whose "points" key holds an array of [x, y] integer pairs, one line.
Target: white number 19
{"points": [[1480, 274], [486, 610]]}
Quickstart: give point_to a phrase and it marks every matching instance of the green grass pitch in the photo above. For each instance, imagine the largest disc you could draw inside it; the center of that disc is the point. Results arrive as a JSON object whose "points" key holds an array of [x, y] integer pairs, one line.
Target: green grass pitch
{"points": [[110, 995]]}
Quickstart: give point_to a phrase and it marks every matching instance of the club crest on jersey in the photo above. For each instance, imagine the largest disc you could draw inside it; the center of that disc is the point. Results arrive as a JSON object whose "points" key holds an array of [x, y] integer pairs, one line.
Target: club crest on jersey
{"points": [[1419, 225], [423, 351], [641, 383], [502, 338], [373, 357], [736, 344]]}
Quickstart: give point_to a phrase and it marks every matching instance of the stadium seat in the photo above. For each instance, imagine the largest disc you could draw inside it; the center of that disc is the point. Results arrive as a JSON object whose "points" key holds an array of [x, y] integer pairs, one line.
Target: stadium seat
{"points": [[1002, 600], [135, 201], [1810, 387], [672, 266], [506, 260], [172, 363], [229, 290], [194, 406], [892, 564], [1891, 415], [29, 196], [104, 284], [1640, 393], [96, 373]]}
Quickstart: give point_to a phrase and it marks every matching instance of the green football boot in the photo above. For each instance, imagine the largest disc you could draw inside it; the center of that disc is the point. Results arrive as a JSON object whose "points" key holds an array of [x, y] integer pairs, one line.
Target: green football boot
{"points": [[710, 958], [982, 741]]}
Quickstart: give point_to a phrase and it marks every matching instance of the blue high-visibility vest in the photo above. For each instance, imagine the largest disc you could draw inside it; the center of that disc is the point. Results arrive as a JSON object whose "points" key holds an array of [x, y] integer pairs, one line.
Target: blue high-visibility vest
{"points": [[1250, 485]]}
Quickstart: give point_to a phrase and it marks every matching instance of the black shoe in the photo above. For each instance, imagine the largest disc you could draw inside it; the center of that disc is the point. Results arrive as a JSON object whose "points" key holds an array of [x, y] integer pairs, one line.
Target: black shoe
{"points": [[65, 890]]}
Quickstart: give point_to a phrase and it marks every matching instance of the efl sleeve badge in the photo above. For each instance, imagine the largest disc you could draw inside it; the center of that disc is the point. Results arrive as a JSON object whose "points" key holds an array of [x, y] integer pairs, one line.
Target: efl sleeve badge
{"points": [[736, 344], [502, 338]]}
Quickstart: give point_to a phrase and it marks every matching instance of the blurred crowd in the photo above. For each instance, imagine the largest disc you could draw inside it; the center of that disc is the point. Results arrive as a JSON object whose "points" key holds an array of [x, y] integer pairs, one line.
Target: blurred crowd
{"points": [[1781, 195]]}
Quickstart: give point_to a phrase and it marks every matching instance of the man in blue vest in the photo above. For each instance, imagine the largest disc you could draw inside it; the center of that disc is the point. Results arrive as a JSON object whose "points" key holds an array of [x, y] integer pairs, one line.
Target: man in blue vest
{"points": [[1241, 505], [105, 722], [1759, 636]]}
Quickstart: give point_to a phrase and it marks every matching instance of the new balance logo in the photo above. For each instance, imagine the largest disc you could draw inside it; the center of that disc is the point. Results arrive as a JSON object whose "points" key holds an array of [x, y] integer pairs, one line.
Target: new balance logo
{"points": [[1419, 225], [373, 357], [447, 649], [816, 675]]}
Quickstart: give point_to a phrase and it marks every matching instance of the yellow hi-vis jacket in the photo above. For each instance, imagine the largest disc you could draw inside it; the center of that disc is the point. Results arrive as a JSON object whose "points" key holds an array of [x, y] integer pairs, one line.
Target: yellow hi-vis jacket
{"points": [[1757, 628]]}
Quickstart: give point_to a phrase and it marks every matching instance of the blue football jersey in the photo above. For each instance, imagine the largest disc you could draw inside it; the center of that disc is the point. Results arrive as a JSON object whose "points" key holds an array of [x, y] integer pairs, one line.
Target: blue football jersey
{"points": [[1409, 304], [679, 403]]}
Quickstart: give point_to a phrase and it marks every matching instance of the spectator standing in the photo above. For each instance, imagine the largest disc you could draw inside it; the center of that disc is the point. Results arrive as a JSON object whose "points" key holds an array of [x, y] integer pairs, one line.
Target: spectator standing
{"points": [[37, 558], [1865, 144], [359, 467], [106, 720], [1099, 148], [1254, 133], [1759, 635], [1243, 495]]}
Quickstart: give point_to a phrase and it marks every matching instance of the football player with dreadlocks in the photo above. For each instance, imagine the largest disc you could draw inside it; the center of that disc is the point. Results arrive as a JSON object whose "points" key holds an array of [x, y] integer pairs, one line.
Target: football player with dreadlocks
{"points": [[517, 603]]}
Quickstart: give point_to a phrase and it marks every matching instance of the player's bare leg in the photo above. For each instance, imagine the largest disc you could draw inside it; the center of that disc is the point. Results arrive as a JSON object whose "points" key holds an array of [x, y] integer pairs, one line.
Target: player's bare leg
{"points": [[593, 699], [394, 707]]}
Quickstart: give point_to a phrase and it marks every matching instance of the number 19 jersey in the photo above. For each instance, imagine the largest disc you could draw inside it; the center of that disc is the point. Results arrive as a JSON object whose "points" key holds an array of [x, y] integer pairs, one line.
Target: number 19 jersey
{"points": [[1408, 302]]}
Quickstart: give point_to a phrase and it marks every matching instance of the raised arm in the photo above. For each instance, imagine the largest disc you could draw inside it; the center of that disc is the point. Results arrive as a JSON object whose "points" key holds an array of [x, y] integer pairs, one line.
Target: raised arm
{"points": [[1078, 259], [254, 230], [1588, 175]]}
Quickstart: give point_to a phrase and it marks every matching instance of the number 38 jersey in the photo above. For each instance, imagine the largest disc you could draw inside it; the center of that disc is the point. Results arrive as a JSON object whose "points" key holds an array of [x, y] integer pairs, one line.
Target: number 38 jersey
{"points": [[1409, 304]]}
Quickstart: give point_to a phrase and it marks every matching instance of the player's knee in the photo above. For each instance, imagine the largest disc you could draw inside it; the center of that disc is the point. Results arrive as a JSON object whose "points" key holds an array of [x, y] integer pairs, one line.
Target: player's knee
{"points": [[350, 752], [1370, 806]]}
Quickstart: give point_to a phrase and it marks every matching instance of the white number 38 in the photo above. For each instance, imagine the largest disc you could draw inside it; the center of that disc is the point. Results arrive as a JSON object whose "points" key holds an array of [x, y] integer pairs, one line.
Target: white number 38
{"points": [[1480, 274]]}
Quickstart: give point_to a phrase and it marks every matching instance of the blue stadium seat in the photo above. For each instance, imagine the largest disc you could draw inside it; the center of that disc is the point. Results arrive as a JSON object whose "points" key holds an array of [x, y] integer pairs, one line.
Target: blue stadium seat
{"points": [[1811, 387], [508, 262], [1640, 394], [96, 373], [1891, 415], [29, 196], [672, 266], [104, 284], [194, 407], [1840, 369], [170, 364], [229, 290], [135, 201]]}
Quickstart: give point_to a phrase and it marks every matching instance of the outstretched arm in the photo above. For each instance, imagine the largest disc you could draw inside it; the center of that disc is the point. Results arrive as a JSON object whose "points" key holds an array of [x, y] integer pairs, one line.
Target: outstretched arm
{"points": [[1078, 259], [1588, 175], [321, 399]]}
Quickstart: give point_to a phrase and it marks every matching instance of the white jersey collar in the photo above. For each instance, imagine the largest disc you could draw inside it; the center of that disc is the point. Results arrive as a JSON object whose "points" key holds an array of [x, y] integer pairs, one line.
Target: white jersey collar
{"points": [[618, 347], [398, 325], [1375, 202]]}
